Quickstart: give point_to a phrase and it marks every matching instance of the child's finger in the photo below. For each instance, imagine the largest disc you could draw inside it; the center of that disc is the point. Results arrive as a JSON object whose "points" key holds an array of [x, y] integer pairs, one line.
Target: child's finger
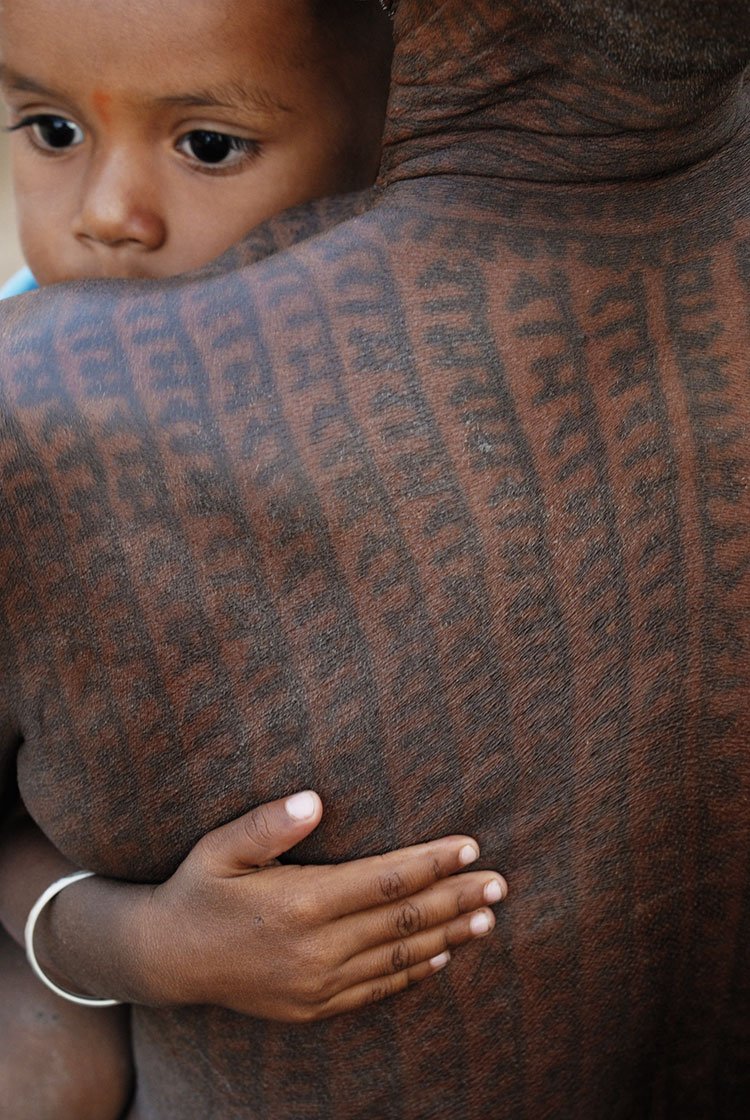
{"points": [[257, 837], [400, 956], [432, 907], [351, 887], [373, 991]]}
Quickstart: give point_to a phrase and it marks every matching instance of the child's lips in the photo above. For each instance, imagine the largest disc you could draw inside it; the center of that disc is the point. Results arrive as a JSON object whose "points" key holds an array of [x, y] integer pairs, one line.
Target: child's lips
{"points": [[125, 270], [121, 272]]}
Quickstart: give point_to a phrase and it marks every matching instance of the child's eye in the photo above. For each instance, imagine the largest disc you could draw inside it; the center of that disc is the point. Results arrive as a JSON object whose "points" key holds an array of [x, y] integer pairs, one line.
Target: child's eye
{"points": [[52, 133], [216, 149]]}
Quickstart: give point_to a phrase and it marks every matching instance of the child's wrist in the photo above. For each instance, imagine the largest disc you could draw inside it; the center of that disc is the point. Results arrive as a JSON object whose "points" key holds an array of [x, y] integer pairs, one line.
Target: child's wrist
{"points": [[46, 897], [153, 961], [94, 940]]}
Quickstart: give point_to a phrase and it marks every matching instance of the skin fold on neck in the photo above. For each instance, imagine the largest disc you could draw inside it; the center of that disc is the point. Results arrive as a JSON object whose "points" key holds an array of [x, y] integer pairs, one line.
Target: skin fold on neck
{"points": [[489, 89]]}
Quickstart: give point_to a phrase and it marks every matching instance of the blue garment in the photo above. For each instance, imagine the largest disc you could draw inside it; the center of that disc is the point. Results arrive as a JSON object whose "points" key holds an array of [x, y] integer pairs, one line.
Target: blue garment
{"points": [[22, 282]]}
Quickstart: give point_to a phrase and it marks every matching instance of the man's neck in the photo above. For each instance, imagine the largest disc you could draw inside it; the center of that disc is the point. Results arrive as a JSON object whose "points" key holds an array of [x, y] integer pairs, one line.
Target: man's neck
{"points": [[480, 89]]}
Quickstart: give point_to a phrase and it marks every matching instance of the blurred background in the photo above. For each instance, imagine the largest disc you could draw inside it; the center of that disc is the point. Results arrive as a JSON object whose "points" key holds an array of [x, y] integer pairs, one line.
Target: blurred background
{"points": [[10, 254]]}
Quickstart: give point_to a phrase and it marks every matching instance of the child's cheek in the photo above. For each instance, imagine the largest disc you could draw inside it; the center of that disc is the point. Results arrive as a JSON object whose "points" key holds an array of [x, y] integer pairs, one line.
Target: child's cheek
{"points": [[44, 226], [38, 250], [45, 254]]}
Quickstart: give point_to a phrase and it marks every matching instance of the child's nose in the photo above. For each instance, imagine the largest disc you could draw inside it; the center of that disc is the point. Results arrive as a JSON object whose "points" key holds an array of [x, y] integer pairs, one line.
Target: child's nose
{"points": [[120, 208]]}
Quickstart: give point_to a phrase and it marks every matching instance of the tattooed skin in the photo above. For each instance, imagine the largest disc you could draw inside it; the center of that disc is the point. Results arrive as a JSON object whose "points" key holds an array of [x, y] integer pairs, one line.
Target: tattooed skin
{"points": [[436, 502]]}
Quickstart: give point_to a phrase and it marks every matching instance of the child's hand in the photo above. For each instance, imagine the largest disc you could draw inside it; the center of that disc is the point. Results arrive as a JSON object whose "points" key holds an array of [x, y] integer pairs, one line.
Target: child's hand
{"points": [[299, 944]]}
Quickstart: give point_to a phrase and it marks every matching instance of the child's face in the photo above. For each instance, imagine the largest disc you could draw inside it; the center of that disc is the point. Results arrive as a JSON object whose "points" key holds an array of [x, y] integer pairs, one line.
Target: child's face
{"points": [[157, 134]]}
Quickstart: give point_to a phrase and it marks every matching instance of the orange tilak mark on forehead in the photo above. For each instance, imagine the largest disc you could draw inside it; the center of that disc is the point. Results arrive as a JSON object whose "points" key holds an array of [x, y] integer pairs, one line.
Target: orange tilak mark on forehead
{"points": [[101, 100]]}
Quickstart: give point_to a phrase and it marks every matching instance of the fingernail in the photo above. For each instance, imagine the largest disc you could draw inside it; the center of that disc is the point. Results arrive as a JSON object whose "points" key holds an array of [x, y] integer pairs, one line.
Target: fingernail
{"points": [[468, 854], [301, 806], [440, 961], [493, 892], [479, 924]]}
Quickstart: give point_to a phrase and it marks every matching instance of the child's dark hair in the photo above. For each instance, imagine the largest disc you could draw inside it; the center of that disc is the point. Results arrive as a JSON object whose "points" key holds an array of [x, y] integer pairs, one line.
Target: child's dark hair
{"points": [[355, 44], [359, 32], [349, 17]]}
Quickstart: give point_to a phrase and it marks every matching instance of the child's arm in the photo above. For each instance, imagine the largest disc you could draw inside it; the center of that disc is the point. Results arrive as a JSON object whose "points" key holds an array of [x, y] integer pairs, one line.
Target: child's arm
{"points": [[278, 942], [58, 1061]]}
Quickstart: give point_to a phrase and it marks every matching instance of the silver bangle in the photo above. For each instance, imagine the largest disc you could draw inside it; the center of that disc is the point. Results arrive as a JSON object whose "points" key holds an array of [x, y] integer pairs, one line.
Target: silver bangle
{"points": [[28, 936]]}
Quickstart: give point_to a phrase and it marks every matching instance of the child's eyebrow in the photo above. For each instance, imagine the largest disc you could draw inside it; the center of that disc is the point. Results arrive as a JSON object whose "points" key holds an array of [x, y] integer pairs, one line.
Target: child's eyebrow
{"points": [[235, 95], [13, 80]]}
